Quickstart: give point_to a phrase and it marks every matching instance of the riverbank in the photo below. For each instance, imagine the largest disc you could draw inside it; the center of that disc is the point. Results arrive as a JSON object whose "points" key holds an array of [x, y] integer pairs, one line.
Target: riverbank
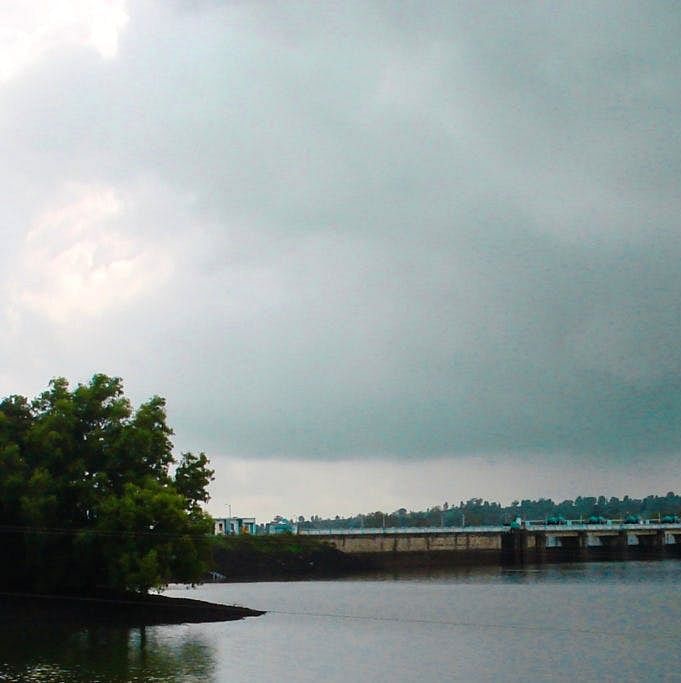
{"points": [[123, 609], [252, 558]]}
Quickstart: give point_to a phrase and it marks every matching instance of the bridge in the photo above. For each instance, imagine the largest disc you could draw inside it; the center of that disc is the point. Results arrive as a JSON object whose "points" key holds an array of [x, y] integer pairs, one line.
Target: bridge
{"points": [[528, 542]]}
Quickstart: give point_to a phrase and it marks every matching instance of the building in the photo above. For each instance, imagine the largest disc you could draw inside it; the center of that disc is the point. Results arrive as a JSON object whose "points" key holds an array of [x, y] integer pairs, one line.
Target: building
{"points": [[281, 525], [233, 526]]}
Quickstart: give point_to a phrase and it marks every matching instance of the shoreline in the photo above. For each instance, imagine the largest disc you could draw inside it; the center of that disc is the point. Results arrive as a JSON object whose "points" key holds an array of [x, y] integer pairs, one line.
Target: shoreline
{"points": [[125, 609]]}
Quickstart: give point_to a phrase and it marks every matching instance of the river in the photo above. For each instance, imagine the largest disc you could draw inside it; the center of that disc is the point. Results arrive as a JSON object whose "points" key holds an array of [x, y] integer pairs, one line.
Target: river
{"points": [[598, 621]]}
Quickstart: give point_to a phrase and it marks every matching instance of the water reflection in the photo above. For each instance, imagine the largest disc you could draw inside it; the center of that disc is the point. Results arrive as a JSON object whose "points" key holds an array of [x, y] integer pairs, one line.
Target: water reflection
{"points": [[595, 621], [48, 652], [650, 571]]}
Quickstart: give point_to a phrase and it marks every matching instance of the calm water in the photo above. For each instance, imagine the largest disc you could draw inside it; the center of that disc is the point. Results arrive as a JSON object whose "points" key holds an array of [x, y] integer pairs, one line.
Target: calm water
{"points": [[594, 622]]}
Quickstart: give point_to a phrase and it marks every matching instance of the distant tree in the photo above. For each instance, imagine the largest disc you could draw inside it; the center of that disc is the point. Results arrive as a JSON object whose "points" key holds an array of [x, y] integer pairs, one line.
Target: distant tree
{"points": [[478, 511]]}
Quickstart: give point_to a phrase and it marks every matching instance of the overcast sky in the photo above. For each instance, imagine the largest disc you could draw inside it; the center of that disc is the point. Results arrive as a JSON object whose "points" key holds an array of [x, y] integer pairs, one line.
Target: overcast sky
{"points": [[374, 254]]}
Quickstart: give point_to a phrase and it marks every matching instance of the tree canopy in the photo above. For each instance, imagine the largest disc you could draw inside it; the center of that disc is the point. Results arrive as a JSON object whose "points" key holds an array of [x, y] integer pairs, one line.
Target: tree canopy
{"points": [[91, 496]]}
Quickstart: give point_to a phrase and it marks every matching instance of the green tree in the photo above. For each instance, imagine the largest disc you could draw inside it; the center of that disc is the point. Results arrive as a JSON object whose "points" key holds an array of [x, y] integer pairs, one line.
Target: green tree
{"points": [[192, 478], [87, 498]]}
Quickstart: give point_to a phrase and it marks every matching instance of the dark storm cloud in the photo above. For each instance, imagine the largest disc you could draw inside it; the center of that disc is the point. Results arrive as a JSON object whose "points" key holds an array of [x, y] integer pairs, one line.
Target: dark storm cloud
{"points": [[396, 230]]}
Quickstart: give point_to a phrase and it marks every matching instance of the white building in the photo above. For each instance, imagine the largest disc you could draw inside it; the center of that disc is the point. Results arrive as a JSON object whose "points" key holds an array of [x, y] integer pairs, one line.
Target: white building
{"points": [[232, 526]]}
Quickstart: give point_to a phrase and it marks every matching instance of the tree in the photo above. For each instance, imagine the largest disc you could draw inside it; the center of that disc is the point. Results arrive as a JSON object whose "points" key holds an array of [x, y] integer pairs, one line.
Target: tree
{"points": [[192, 478], [87, 499]]}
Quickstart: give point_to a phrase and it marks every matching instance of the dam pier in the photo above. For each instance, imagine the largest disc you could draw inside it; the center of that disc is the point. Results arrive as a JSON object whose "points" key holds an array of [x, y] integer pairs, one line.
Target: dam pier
{"points": [[527, 542]]}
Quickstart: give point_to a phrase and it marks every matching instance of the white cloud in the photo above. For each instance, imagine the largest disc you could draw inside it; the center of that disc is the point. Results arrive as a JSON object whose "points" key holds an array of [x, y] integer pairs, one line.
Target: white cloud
{"points": [[31, 29], [82, 257]]}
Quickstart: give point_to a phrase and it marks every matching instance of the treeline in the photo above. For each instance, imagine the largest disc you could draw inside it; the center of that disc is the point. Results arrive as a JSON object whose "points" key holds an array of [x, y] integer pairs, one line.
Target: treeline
{"points": [[479, 512], [91, 497]]}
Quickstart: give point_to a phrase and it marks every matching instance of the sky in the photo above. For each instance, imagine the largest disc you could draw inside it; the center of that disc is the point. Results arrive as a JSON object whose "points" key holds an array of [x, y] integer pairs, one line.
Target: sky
{"points": [[373, 254]]}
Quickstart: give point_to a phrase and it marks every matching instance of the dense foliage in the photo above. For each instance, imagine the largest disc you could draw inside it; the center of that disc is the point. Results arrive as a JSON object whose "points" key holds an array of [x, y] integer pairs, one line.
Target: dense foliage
{"points": [[87, 497], [277, 556], [477, 511]]}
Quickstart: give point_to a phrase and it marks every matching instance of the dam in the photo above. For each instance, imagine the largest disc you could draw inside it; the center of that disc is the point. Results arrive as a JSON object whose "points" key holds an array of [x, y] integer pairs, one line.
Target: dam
{"points": [[528, 542]]}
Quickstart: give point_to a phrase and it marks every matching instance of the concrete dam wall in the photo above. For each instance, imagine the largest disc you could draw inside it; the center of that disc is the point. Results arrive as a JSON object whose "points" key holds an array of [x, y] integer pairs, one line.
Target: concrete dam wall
{"points": [[386, 548]]}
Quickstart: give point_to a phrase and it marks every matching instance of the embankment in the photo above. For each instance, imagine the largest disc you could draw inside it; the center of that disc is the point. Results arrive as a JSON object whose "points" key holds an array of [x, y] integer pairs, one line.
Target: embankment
{"points": [[251, 558], [121, 609]]}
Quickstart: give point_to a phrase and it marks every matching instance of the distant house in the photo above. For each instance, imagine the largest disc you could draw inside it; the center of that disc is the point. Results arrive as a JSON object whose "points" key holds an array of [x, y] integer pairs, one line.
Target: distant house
{"points": [[233, 526], [280, 525]]}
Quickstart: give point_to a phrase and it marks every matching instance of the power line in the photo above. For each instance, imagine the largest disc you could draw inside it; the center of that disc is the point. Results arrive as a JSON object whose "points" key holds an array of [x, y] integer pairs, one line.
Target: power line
{"points": [[63, 531], [645, 635], [482, 625]]}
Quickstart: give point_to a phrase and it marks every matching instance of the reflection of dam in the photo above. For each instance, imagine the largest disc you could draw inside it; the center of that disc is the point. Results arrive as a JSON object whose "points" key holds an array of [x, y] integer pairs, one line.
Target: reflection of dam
{"points": [[533, 542]]}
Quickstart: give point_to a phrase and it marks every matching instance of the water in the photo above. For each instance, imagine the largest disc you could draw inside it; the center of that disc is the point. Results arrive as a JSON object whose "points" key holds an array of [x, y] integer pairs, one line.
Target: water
{"points": [[599, 621]]}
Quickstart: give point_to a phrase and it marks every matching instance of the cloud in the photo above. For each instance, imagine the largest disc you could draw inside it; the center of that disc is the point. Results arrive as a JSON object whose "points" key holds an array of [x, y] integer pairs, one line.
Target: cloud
{"points": [[32, 29], [77, 262], [346, 231]]}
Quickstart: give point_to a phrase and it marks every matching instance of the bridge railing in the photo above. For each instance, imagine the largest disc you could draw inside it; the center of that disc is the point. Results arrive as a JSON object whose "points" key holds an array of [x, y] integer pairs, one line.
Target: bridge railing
{"points": [[613, 526], [529, 525], [375, 531]]}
